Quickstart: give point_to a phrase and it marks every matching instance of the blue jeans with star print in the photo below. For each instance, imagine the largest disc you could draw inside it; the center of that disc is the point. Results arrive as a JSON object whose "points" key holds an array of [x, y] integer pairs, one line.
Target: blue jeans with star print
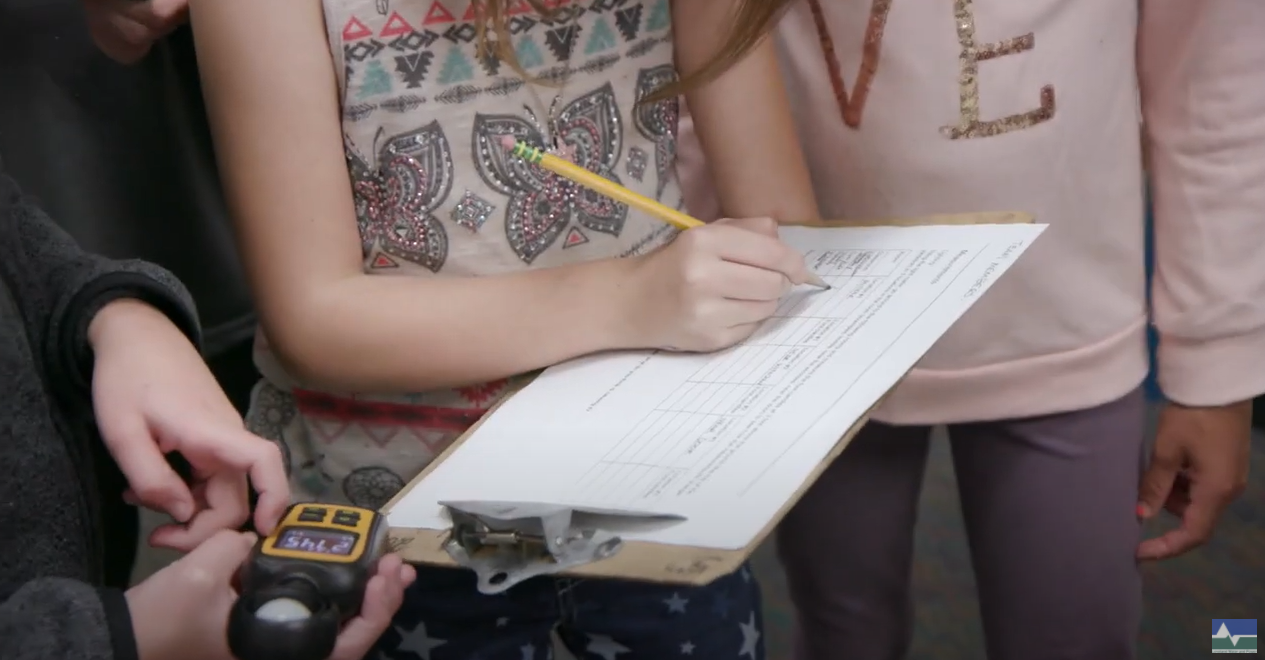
{"points": [[445, 618]]}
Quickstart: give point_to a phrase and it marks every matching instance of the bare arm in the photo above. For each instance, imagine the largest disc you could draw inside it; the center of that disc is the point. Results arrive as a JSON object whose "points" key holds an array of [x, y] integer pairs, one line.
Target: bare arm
{"points": [[754, 154], [272, 100]]}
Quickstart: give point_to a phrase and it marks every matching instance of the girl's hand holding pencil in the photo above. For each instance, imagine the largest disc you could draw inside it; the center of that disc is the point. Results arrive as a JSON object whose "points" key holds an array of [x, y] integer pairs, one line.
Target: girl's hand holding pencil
{"points": [[710, 288]]}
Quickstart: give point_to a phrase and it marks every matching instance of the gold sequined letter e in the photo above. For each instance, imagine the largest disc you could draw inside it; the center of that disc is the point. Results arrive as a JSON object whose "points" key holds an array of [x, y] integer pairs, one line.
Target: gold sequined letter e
{"points": [[969, 124]]}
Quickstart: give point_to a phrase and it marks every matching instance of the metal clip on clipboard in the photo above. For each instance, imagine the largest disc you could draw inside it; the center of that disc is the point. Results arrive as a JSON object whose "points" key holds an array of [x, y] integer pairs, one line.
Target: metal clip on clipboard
{"points": [[505, 543]]}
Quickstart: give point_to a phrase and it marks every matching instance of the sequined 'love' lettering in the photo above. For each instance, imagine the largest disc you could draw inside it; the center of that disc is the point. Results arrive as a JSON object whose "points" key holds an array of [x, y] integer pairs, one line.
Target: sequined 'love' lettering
{"points": [[969, 123]]}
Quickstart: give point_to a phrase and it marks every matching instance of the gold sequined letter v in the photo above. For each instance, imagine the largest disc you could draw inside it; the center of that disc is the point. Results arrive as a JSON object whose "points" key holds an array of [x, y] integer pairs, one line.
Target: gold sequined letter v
{"points": [[969, 124], [851, 108]]}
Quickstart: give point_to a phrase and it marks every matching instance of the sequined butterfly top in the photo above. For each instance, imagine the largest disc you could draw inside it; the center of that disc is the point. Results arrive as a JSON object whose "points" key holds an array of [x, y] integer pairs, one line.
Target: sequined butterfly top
{"points": [[436, 195]]}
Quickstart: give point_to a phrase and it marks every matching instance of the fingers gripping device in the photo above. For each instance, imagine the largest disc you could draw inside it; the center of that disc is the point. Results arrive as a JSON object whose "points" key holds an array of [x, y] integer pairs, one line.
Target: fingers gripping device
{"points": [[302, 582]]}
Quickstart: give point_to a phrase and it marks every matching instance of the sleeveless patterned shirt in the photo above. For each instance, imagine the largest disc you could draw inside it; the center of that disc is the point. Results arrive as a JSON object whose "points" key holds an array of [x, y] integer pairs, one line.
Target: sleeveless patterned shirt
{"points": [[436, 196]]}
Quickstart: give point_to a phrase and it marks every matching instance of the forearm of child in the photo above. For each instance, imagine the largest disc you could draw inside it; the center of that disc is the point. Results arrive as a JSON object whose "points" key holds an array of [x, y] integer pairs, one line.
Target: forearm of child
{"points": [[390, 334], [59, 288], [1202, 71], [273, 103], [743, 119]]}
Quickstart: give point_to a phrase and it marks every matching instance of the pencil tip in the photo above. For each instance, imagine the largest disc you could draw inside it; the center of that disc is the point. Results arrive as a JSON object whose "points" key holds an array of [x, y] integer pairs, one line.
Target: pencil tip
{"points": [[817, 281]]}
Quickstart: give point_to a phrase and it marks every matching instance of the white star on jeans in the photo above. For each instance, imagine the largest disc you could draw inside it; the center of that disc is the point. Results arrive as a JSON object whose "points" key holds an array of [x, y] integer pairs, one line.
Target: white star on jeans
{"points": [[417, 641], [750, 636], [607, 648], [687, 648], [676, 603]]}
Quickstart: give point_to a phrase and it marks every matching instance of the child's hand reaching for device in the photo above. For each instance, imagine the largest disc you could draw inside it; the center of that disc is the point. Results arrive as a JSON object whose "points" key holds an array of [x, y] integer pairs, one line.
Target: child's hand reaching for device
{"points": [[712, 286], [181, 612], [153, 395]]}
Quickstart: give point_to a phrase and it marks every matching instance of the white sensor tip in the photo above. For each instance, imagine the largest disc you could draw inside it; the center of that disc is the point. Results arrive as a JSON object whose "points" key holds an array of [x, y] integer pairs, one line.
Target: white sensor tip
{"points": [[283, 610]]}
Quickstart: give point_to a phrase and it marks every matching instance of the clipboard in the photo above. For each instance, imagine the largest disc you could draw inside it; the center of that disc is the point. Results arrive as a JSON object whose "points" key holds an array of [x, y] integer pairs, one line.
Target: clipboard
{"points": [[635, 560]]}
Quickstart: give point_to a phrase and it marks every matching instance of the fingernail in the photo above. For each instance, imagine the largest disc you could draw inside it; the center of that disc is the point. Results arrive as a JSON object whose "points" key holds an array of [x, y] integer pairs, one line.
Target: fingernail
{"points": [[184, 511], [1142, 511]]}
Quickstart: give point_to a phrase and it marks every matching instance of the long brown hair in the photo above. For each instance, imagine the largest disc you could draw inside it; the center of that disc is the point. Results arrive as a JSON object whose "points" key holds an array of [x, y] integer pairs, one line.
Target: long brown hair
{"points": [[751, 22]]}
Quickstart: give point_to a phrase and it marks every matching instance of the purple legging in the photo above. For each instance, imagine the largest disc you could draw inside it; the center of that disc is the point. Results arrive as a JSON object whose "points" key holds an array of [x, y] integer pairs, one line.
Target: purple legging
{"points": [[1049, 504]]}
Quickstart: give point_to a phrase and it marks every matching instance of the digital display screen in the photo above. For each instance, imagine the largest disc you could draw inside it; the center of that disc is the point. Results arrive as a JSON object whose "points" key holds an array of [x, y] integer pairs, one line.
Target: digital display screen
{"points": [[319, 541]]}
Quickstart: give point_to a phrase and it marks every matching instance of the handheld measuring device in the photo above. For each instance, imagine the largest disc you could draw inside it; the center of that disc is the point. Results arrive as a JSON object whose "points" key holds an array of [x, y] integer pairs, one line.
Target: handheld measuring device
{"points": [[302, 582]]}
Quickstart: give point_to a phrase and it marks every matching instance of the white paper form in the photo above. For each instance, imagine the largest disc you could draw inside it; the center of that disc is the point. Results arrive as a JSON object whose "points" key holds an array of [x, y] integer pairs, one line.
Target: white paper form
{"points": [[725, 439]]}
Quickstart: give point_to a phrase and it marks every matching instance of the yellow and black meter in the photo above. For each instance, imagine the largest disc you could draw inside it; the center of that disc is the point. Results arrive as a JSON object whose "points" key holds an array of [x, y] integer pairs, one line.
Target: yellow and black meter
{"points": [[304, 581]]}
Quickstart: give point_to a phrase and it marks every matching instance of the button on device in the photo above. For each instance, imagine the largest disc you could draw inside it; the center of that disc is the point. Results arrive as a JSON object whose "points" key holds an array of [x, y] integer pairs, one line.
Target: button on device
{"points": [[312, 514], [346, 518]]}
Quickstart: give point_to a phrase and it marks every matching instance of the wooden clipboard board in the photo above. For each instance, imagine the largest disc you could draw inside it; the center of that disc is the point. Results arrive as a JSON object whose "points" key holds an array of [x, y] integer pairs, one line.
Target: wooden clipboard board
{"points": [[657, 562]]}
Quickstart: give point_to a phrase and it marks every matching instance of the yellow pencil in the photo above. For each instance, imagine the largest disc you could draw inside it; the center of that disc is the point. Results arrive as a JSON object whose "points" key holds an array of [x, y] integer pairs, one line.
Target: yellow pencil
{"points": [[565, 168]]}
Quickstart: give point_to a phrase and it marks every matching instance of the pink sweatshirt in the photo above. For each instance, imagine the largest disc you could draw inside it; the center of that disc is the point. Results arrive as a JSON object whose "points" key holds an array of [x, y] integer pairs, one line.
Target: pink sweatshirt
{"points": [[1033, 105]]}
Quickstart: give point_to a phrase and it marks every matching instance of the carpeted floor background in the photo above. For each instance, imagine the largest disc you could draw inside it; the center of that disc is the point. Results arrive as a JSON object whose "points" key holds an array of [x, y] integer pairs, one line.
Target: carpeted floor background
{"points": [[1225, 579]]}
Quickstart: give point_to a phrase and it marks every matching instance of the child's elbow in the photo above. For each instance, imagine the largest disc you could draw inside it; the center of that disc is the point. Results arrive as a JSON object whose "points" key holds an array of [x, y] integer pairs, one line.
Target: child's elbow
{"points": [[307, 348], [300, 357]]}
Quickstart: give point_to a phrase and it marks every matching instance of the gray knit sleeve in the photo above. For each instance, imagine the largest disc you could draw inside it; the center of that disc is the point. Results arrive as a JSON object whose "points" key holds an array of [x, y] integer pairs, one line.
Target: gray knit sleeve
{"points": [[60, 619]]}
